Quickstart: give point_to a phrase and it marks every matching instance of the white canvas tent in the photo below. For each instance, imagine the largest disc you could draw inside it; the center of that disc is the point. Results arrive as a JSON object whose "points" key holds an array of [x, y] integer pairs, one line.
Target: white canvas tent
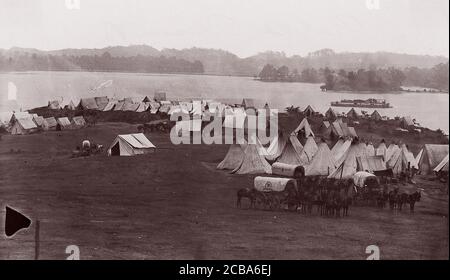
{"points": [[370, 150], [309, 150], [78, 121], [381, 150], [38, 120], [110, 105], [442, 166], [276, 148], [71, 105], [49, 123], [63, 122], [233, 158], [432, 155], [349, 163], [322, 163], [23, 126], [371, 163], [391, 150], [339, 152], [54, 105], [401, 160], [304, 126], [337, 146], [291, 152], [131, 145], [253, 162]]}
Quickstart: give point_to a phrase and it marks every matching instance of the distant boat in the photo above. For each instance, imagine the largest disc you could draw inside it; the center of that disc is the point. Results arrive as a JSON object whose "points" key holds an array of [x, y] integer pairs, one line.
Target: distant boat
{"points": [[368, 103]]}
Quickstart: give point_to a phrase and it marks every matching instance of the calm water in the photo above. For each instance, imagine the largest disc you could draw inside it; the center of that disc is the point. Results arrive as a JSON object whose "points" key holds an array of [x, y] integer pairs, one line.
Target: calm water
{"points": [[36, 88]]}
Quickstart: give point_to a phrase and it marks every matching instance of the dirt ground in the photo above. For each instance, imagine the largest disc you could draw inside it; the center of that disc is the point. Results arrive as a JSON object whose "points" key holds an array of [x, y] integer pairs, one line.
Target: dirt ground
{"points": [[174, 204]]}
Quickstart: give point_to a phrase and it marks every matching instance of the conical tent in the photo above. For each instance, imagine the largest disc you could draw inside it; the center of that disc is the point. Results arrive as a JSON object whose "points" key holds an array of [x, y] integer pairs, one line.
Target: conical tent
{"points": [[276, 148], [349, 165], [322, 163], [233, 158], [291, 153], [381, 150], [253, 162]]}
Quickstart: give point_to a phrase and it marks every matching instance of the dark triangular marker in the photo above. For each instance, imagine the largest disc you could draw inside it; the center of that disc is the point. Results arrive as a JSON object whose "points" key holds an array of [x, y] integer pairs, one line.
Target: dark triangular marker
{"points": [[15, 221]]}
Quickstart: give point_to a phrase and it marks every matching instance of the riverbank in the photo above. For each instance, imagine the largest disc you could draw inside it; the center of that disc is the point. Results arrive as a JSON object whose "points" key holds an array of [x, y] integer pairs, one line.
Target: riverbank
{"points": [[367, 129], [174, 204]]}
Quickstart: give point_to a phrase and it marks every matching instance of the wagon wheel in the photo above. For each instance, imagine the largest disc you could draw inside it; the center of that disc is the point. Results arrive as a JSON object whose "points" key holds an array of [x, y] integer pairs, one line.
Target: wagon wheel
{"points": [[276, 202], [260, 200], [270, 201]]}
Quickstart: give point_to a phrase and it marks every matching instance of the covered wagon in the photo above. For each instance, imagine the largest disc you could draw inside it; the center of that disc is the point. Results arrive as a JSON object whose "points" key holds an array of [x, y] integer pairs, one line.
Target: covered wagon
{"points": [[276, 193], [288, 170]]}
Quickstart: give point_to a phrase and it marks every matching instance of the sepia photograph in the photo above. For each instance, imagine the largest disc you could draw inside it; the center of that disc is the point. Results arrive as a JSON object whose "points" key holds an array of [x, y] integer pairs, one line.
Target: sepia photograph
{"points": [[224, 130]]}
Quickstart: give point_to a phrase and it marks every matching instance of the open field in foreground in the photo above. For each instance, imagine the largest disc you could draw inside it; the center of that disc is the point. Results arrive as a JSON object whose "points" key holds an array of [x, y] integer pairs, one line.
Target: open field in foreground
{"points": [[174, 204]]}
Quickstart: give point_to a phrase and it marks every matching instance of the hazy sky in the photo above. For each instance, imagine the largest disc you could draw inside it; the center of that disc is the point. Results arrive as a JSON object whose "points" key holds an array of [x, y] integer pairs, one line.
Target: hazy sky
{"points": [[244, 27]]}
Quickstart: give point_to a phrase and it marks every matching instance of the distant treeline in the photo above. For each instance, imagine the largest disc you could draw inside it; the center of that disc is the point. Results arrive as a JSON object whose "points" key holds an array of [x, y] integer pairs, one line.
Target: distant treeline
{"points": [[379, 79], [105, 62]]}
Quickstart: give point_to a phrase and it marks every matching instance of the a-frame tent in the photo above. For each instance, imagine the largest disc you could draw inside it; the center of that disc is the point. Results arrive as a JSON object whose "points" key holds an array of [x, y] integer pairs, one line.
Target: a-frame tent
{"points": [[322, 163], [401, 161], [339, 153], [432, 155], [391, 150], [349, 165], [370, 150], [442, 166], [309, 150], [131, 145], [305, 127], [381, 150]]}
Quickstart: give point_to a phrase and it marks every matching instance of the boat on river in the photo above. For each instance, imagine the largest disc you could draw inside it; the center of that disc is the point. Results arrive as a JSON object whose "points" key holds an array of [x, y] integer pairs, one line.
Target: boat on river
{"points": [[368, 103]]}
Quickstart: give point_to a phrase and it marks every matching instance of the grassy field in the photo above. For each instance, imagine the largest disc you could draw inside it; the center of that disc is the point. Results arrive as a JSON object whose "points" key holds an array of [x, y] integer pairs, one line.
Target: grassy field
{"points": [[174, 204]]}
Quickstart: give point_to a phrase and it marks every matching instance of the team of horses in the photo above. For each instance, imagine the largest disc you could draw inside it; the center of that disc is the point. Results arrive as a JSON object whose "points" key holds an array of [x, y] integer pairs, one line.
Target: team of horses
{"points": [[331, 197]]}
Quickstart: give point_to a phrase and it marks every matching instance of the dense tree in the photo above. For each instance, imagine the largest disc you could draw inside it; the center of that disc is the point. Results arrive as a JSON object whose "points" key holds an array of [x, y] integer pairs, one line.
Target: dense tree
{"points": [[105, 62]]}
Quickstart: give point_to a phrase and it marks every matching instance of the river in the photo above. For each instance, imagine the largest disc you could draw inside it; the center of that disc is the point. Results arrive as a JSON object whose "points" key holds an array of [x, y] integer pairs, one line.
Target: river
{"points": [[33, 89]]}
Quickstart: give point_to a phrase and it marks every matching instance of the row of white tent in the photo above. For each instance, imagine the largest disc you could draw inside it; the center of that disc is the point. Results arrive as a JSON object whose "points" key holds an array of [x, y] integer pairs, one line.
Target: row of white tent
{"points": [[344, 159], [194, 107], [26, 123]]}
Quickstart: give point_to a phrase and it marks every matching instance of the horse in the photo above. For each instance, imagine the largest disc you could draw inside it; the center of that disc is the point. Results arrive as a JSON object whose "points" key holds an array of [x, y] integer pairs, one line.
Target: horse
{"points": [[345, 196], [412, 199], [251, 194], [402, 199], [393, 198]]}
